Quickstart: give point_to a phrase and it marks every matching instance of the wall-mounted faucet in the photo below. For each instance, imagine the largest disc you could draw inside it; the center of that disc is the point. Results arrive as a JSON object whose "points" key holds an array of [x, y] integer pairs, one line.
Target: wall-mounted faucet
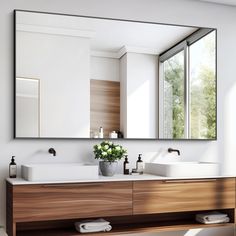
{"points": [[52, 151], [170, 150]]}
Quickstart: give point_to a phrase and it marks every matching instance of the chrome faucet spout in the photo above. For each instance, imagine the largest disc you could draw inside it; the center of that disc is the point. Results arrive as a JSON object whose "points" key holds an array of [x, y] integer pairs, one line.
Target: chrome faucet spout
{"points": [[170, 150]]}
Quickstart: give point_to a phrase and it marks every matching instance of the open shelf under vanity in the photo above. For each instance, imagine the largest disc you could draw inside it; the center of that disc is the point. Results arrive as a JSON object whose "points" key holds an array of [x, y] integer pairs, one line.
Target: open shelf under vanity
{"points": [[124, 225], [123, 229]]}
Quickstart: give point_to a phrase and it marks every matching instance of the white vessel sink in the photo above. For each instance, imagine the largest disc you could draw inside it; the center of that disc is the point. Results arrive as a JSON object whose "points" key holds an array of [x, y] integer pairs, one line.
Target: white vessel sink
{"points": [[182, 169], [59, 172]]}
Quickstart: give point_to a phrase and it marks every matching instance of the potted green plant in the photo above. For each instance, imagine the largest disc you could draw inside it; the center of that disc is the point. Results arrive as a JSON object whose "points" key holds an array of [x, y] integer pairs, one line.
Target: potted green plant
{"points": [[109, 153]]}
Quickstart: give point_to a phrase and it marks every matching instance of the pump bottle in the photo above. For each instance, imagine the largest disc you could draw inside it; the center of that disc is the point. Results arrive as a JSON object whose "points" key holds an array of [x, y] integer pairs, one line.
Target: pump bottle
{"points": [[139, 164], [12, 168]]}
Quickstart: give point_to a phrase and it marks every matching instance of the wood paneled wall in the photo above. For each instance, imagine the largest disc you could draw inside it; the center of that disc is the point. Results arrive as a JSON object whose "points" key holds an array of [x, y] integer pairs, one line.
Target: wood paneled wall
{"points": [[104, 106]]}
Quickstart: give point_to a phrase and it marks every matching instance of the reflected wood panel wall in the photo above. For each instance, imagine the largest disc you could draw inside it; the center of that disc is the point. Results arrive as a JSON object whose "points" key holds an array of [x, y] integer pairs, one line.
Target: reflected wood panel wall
{"points": [[104, 105]]}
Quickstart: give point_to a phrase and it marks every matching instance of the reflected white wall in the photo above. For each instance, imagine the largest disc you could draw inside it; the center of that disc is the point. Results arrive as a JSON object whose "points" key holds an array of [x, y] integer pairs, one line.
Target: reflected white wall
{"points": [[104, 68], [141, 94], [27, 107], [62, 64]]}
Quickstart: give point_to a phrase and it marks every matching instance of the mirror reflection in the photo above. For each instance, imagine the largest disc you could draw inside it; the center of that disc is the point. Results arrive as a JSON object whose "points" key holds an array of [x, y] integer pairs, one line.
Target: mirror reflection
{"points": [[188, 103], [27, 102], [86, 77]]}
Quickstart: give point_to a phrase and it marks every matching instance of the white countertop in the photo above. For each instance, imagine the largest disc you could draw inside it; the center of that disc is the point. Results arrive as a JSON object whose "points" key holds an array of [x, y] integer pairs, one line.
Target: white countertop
{"points": [[118, 177]]}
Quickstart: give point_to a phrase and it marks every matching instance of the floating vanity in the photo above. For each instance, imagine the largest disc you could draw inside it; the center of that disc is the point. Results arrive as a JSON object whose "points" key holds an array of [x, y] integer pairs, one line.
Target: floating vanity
{"points": [[133, 204]]}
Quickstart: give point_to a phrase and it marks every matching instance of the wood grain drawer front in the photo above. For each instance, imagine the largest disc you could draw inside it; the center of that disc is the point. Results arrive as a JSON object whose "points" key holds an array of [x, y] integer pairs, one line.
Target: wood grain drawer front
{"points": [[67, 201], [177, 196]]}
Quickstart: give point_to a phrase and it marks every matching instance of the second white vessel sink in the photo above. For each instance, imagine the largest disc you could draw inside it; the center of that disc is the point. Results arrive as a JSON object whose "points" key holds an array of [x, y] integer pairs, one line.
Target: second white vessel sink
{"points": [[59, 172], [182, 169]]}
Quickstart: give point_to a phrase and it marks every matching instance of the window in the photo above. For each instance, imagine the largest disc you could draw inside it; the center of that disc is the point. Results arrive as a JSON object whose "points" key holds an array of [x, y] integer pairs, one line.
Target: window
{"points": [[202, 87], [174, 96], [187, 88]]}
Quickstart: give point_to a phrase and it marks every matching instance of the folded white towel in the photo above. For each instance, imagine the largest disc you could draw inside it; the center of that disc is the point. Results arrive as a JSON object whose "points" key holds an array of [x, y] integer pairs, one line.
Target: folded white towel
{"points": [[223, 220], [89, 226], [96, 229], [211, 216]]}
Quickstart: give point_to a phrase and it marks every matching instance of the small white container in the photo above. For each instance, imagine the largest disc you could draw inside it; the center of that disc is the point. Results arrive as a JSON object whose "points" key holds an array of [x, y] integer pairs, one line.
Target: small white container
{"points": [[113, 134]]}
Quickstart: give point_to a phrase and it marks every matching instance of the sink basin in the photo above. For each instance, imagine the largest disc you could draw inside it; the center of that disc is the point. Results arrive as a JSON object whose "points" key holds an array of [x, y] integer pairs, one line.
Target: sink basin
{"points": [[59, 172], [182, 169]]}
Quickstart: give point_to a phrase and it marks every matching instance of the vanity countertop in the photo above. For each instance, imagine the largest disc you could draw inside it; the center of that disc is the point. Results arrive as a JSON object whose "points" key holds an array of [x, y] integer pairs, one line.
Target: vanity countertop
{"points": [[118, 177]]}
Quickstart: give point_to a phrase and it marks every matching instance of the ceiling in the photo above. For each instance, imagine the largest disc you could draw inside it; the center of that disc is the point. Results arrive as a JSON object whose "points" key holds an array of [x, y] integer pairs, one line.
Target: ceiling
{"points": [[224, 2], [111, 35]]}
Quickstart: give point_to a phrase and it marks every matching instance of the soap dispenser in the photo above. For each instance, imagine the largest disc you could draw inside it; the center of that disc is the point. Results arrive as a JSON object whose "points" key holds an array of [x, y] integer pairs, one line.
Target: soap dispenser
{"points": [[12, 168], [139, 164], [126, 166]]}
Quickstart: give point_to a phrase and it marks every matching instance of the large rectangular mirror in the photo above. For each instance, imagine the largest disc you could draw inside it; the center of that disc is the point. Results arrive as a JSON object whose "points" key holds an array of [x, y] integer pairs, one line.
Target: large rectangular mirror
{"points": [[136, 80]]}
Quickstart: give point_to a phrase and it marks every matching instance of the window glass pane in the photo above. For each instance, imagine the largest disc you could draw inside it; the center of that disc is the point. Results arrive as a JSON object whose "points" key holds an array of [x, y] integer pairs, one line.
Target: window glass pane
{"points": [[203, 88], [174, 96]]}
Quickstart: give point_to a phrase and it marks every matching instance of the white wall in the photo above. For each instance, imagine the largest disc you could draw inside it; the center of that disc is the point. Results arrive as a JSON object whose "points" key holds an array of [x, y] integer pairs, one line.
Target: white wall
{"points": [[27, 107], [104, 68], [27, 116], [169, 11], [123, 94], [141, 92], [61, 63]]}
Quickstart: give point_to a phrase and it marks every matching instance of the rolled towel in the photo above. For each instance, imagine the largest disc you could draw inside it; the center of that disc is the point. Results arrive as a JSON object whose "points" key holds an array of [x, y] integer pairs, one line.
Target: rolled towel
{"points": [[211, 216], [89, 226], [223, 220], [96, 229]]}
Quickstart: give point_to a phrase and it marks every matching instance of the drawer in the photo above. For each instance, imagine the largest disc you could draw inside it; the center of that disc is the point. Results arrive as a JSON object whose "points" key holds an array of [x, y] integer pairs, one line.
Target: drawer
{"points": [[183, 195], [68, 201]]}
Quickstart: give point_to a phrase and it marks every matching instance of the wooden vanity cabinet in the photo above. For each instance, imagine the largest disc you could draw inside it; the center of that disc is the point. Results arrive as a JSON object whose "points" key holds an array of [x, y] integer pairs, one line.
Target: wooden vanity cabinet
{"points": [[131, 206], [42, 202], [183, 195], [68, 201]]}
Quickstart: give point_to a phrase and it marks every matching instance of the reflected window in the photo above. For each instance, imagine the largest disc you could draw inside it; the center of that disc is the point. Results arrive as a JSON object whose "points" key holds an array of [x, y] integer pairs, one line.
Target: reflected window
{"points": [[203, 88], [174, 96], [187, 88]]}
